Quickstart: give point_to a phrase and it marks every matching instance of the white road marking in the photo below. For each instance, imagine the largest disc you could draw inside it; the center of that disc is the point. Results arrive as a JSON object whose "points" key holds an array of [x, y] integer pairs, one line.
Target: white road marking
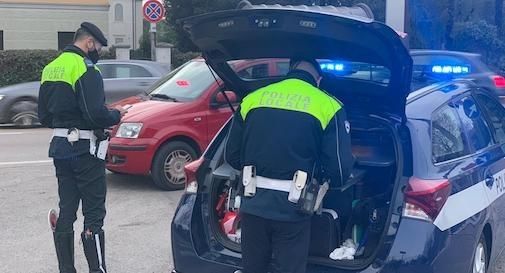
{"points": [[25, 162], [11, 133]]}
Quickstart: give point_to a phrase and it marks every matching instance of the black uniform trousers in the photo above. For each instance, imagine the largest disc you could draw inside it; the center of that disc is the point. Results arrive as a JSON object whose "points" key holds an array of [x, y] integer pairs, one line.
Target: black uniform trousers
{"points": [[263, 239], [81, 178]]}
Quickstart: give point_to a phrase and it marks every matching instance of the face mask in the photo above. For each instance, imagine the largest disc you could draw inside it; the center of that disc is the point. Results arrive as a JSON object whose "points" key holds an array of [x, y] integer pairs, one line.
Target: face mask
{"points": [[93, 56]]}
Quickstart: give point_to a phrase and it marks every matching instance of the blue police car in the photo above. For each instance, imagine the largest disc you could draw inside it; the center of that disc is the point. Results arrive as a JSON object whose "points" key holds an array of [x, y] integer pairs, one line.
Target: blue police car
{"points": [[426, 192]]}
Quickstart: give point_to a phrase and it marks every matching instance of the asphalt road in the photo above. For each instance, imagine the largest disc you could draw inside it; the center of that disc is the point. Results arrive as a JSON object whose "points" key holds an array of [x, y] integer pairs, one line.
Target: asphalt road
{"points": [[137, 225]]}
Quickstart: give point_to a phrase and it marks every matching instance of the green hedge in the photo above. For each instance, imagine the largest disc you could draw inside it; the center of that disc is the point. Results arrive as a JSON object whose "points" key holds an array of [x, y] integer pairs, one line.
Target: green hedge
{"points": [[19, 66]]}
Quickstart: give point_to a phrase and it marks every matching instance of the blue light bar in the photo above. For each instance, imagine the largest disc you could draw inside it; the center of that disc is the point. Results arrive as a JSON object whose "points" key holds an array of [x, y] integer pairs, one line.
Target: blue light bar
{"points": [[450, 69], [457, 70], [333, 66], [436, 69]]}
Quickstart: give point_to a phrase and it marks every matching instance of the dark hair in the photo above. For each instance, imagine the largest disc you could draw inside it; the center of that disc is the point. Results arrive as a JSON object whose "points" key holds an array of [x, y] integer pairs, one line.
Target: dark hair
{"points": [[81, 33]]}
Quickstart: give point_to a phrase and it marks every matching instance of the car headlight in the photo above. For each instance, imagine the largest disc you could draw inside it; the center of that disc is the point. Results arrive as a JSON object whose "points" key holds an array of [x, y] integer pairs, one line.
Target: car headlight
{"points": [[129, 130], [2, 96]]}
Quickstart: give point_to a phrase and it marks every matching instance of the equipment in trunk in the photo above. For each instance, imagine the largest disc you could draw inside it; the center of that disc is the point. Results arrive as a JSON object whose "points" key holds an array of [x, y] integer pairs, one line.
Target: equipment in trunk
{"points": [[354, 214], [325, 233]]}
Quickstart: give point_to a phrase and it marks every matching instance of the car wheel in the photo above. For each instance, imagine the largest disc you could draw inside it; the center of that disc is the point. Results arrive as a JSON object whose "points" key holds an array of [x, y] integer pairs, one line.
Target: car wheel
{"points": [[480, 260], [24, 113], [168, 165]]}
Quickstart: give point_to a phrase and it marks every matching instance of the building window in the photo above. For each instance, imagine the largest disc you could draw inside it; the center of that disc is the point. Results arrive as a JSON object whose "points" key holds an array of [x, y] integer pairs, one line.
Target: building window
{"points": [[118, 13], [1, 40], [64, 39], [119, 40]]}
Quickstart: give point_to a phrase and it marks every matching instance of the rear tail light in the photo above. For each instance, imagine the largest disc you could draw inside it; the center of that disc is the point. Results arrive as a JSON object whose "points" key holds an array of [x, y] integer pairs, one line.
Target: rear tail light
{"points": [[499, 81], [425, 198], [190, 170]]}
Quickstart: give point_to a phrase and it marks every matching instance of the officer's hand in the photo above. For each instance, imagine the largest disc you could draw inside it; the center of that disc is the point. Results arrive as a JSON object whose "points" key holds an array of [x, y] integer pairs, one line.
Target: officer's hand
{"points": [[121, 110]]}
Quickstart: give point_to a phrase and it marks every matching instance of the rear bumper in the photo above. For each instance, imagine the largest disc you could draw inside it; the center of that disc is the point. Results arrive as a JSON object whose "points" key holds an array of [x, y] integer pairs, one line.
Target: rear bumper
{"points": [[131, 156], [417, 247]]}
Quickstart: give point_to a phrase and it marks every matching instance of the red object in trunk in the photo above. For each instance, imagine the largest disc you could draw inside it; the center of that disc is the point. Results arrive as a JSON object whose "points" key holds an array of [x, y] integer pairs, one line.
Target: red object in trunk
{"points": [[229, 223], [220, 207]]}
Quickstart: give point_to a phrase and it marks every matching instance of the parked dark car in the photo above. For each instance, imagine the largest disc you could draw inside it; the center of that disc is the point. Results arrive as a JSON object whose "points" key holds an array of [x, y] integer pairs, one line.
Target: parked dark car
{"points": [[429, 178], [18, 103], [432, 66]]}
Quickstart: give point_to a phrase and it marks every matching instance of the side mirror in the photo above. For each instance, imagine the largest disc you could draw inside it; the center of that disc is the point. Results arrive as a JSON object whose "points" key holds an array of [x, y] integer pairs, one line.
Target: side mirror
{"points": [[220, 99]]}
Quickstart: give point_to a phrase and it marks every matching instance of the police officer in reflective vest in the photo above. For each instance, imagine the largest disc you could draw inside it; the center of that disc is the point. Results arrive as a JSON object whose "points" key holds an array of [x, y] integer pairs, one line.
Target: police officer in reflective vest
{"points": [[72, 102], [279, 136]]}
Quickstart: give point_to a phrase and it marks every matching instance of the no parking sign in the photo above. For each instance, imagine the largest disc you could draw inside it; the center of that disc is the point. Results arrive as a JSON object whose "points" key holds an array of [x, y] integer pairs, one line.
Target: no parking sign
{"points": [[153, 11]]}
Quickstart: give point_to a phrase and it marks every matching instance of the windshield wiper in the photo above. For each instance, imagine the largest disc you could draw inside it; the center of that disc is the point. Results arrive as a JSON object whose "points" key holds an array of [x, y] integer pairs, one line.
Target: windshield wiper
{"points": [[163, 96]]}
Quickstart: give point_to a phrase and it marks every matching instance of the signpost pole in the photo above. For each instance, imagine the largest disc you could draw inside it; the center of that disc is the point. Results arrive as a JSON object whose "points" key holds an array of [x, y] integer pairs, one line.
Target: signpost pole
{"points": [[153, 12], [152, 34]]}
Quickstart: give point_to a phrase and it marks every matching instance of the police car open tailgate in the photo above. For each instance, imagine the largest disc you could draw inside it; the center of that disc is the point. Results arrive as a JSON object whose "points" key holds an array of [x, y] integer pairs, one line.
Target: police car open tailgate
{"points": [[274, 31]]}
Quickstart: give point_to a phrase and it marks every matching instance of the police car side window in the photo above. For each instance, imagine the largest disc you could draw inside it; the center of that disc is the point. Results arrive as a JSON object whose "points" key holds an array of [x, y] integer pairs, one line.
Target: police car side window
{"points": [[496, 115], [447, 135], [473, 123]]}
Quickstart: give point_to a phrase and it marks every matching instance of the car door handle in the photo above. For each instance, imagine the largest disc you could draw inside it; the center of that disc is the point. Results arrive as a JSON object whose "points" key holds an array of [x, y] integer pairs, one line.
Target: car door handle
{"points": [[489, 181], [144, 83]]}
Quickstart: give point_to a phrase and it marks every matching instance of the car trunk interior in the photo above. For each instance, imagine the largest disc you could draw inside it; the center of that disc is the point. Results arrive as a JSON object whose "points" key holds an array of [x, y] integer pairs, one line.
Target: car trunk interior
{"points": [[373, 79], [358, 210]]}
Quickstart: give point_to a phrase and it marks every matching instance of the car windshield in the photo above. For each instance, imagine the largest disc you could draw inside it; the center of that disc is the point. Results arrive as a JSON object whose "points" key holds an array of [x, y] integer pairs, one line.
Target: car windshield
{"points": [[185, 83], [345, 69]]}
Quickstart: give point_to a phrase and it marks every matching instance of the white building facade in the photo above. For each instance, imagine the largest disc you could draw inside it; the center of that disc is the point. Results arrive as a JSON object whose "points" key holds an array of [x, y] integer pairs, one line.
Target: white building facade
{"points": [[50, 24], [125, 22]]}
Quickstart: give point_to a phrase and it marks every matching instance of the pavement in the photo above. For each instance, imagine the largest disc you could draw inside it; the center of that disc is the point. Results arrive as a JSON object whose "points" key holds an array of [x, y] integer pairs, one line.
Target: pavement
{"points": [[137, 225]]}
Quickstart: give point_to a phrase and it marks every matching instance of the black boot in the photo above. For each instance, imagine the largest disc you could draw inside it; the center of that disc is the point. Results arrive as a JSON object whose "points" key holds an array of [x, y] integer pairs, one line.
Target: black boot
{"points": [[64, 244], [94, 249]]}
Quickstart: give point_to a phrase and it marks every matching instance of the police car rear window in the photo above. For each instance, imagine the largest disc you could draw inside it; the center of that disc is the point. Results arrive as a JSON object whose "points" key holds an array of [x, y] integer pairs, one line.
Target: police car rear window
{"points": [[447, 136], [264, 68]]}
